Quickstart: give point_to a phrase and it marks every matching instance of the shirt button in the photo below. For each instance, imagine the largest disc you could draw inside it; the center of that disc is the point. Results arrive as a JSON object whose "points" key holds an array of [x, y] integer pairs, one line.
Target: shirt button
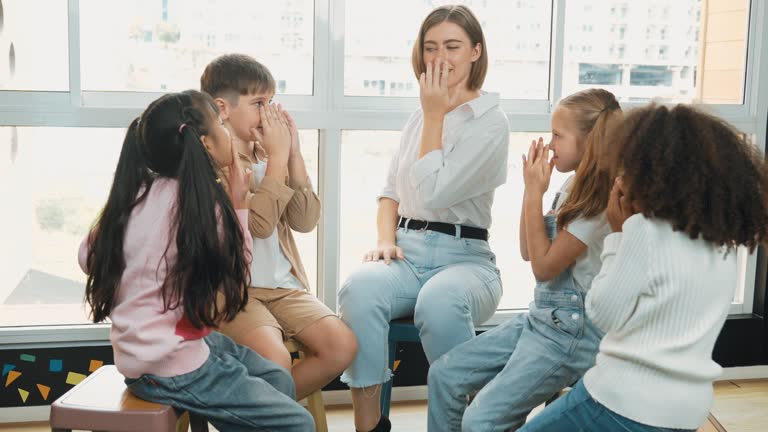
{"points": [[575, 316], [574, 297]]}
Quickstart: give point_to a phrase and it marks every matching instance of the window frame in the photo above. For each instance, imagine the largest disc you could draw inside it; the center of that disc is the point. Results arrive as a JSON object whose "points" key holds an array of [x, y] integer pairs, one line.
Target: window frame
{"points": [[330, 112]]}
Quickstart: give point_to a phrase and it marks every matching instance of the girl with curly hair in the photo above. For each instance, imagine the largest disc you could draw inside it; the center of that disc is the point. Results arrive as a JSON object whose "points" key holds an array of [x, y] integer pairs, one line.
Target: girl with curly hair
{"points": [[689, 190], [523, 362]]}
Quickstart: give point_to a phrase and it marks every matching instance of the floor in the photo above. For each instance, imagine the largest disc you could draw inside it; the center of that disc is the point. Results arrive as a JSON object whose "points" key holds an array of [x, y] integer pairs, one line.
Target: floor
{"points": [[740, 406]]}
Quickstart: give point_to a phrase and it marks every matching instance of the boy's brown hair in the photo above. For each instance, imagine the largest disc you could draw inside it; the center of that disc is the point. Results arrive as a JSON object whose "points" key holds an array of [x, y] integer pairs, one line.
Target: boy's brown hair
{"points": [[694, 170], [463, 17], [231, 75]]}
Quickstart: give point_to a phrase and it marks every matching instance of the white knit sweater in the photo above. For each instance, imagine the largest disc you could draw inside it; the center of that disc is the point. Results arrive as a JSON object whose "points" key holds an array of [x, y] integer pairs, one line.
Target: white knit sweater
{"points": [[662, 299]]}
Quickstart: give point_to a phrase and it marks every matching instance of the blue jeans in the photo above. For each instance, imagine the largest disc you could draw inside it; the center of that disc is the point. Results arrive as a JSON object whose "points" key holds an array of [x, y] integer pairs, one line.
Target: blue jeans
{"points": [[578, 412], [235, 389], [517, 365], [447, 283]]}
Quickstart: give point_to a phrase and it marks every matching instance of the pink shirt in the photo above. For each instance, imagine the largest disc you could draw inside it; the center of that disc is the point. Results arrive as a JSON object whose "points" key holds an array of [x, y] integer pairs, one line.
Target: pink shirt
{"points": [[145, 339]]}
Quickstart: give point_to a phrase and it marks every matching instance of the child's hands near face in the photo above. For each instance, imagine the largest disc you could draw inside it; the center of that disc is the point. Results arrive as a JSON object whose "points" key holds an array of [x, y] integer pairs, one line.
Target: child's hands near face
{"points": [[433, 90], [295, 145], [238, 179], [275, 136], [537, 168], [619, 208]]}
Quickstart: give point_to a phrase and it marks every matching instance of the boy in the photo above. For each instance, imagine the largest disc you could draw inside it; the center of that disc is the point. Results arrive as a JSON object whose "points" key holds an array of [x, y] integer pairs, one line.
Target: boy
{"points": [[281, 200]]}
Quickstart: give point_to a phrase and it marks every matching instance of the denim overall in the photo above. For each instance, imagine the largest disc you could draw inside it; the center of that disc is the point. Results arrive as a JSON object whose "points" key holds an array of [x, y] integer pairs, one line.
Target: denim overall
{"points": [[517, 365]]}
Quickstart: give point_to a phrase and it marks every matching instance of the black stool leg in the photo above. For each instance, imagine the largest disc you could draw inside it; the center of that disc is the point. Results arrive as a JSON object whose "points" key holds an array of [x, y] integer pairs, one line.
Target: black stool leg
{"points": [[198, 424]]}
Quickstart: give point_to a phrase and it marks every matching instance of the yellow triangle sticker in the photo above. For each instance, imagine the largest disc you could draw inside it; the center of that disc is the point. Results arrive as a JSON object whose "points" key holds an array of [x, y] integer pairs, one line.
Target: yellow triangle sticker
{"points": [[12, 375], [95, 364], [397, 363], [44, 391], [24, 395]]}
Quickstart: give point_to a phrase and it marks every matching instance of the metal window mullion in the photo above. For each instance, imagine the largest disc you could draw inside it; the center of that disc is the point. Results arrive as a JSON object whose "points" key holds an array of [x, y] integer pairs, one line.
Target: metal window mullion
{"points": [[321, 55], [329, 229], [557, 52], [756, 95], [73, 30], [754, 56], [759, 87], [336, 35]]}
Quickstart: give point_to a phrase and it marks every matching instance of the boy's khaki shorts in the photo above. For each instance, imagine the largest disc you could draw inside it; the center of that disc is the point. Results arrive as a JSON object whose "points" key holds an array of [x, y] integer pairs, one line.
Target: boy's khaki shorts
{"points": [[288, 310]]}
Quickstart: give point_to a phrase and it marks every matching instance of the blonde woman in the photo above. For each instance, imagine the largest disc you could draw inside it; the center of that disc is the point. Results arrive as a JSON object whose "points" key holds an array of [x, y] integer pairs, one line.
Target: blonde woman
{"points": [[432, 260]]}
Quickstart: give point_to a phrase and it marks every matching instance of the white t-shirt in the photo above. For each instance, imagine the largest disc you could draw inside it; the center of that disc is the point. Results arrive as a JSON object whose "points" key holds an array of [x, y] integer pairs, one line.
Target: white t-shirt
{"points": [[591, 232], [270, 267]]}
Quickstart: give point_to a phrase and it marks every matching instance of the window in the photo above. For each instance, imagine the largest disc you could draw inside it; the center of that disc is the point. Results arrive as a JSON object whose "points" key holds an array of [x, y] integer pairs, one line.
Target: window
{"points": [[646, 23], [54, 206], [57, 192], [307, 243], [655, 76], [25, 48], [365, 157], [591, 73], [163, 45], [122, 54], [663, 52], [368, 56]]}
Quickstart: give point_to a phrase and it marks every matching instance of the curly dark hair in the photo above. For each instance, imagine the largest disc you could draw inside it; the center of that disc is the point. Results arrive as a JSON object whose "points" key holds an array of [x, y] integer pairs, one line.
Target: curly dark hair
{"points": [[694, 170]]}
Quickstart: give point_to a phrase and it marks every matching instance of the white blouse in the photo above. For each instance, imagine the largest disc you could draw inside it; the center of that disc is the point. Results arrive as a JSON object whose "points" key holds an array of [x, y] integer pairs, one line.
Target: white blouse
{"points": [[455, 184]]}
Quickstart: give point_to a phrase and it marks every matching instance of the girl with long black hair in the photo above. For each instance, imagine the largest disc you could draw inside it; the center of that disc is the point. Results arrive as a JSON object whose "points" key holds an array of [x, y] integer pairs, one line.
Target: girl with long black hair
{"points": [[169, 240]]}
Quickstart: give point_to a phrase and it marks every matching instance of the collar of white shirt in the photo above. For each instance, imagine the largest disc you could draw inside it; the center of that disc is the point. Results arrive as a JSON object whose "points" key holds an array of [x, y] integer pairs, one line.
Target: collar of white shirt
{"points": [[482, 104]]}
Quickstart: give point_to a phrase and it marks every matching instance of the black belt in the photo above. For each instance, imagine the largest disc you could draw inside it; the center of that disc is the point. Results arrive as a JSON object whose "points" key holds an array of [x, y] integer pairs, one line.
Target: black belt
{"points": [[445, 228]]}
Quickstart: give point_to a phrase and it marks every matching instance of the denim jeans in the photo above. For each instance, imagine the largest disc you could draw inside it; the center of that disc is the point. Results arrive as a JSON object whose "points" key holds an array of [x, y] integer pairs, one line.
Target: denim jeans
{"points": [[447, 283], [517, 365], [235, 389], [578, 412]]}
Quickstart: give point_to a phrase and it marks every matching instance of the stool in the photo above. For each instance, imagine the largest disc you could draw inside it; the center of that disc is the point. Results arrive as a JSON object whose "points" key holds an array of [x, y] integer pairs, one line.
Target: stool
{"points": [[315, 403], [400, 330], [102, 402]]}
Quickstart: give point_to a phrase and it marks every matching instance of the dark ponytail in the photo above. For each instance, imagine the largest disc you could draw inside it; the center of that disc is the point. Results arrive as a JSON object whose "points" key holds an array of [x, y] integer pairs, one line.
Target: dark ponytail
{"points": [[209, 239], [105, 254], [208, 228]]}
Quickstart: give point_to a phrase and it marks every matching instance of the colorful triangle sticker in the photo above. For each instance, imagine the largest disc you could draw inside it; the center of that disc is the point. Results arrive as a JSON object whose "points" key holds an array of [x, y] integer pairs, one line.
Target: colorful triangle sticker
{"points": [[44, 391], [12, 375], [24, 395]]}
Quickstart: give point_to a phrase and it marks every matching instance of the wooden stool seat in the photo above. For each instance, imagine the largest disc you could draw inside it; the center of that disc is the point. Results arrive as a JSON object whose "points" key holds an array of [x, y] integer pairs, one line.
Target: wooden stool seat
{"points": [[102, 402]]}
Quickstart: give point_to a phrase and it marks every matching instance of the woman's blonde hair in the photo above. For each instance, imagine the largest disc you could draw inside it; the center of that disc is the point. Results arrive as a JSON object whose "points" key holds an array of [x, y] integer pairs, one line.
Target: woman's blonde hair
{"points": [[595, 112], [464, 18]]}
